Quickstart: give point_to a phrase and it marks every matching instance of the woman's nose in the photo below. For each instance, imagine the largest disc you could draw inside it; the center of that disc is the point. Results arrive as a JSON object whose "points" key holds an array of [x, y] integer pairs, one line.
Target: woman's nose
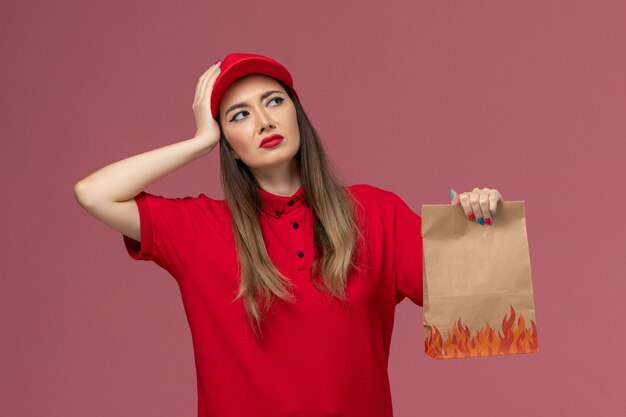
{"points": [[265, 120]]}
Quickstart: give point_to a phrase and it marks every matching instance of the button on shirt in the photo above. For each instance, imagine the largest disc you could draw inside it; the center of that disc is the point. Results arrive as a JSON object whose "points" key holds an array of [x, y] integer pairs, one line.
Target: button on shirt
{"points": [[318, 356], [287, 228]]}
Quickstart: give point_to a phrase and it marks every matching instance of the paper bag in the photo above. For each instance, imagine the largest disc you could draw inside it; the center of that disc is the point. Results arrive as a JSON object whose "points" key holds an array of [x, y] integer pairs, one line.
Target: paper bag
{"points": [[478, 295]]}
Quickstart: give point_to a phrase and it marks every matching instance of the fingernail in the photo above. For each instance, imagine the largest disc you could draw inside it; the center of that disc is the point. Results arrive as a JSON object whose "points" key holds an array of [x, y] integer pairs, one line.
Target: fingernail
{"points": [[488, 221], [471, 216], [481, 220], [451, 194], [492, 213]]}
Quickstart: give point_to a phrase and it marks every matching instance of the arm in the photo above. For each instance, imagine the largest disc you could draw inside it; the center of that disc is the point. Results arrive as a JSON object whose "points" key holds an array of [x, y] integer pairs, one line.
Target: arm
{"points": [[123, 180], [108, 194]]}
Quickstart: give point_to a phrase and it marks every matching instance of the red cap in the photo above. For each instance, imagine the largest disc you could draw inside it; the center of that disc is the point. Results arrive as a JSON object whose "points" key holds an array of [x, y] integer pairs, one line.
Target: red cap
{"points": [[237, 65]]}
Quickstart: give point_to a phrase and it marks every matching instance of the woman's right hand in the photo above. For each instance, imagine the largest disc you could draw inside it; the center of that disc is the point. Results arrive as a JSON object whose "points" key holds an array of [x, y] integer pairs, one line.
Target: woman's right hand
{"points": [[207, 129]]}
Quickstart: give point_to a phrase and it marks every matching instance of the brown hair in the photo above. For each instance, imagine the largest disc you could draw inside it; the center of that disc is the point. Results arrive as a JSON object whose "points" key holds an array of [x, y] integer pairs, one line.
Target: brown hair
{"points": [[336, 230]]}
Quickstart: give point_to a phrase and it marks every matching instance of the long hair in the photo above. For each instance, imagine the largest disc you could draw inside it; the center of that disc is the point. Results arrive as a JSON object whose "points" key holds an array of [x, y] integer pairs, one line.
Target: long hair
{"points": [[336, 228]]}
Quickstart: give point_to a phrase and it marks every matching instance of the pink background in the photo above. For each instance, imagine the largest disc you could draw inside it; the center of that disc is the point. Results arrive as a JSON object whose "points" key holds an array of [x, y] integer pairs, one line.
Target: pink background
{"points": [[411, 96]]}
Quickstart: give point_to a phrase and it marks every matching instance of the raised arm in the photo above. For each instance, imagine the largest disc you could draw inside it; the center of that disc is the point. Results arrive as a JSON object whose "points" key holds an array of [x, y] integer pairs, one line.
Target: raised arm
{"points": [[108, 194]]}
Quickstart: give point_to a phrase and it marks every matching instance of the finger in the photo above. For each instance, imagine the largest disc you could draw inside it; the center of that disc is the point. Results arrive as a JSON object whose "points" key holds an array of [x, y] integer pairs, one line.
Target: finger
{"points": [[454, 196], [203, 81], [199, 83], [483, 201], [207, 86], [475, 204], [467, 207], [210, 82], [494, 196], [206, 77]]}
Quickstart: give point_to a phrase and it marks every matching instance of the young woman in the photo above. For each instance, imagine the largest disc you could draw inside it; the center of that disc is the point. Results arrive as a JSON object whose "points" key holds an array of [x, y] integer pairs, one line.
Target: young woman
{"points": [[289, 283]]}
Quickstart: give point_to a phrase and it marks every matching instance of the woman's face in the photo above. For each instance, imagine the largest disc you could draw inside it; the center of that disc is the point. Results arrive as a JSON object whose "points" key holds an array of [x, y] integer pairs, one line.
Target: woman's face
{"points": [[249, 114]]}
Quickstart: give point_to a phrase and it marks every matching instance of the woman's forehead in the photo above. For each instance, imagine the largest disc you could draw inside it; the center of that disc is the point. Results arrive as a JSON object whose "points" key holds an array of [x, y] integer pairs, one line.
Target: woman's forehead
{"points": [[251, 85]]}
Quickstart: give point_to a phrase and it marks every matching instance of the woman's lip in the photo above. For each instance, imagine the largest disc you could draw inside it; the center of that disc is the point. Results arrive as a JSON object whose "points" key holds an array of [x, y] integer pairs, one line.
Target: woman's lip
{"points": [[273, 137], [271, 143]]}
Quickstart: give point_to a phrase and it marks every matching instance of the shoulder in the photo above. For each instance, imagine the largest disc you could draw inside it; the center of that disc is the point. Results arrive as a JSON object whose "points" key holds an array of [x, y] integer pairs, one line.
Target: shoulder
{"points": [[381, 201], [190, 201], [375, 199], [218, 208], [200, 205], [367, 191], [370, 193]]}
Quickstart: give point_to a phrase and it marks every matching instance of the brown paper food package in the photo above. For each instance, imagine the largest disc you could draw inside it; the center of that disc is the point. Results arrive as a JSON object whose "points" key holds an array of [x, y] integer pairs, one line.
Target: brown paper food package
{"points": [[478, 295]]}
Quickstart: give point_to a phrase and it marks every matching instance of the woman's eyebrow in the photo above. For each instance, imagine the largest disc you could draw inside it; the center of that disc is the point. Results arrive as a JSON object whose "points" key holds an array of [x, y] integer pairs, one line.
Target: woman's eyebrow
{"points": [[238, 105]]}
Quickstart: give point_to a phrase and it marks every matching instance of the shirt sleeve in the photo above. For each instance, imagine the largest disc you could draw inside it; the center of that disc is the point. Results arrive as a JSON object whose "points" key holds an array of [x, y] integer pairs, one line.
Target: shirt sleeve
{"points": [[167, 231], [408, 253]]}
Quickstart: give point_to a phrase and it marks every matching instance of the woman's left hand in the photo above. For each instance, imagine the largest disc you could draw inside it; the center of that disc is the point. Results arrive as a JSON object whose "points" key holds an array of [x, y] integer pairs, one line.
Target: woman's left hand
{"points": [[479, 204]]}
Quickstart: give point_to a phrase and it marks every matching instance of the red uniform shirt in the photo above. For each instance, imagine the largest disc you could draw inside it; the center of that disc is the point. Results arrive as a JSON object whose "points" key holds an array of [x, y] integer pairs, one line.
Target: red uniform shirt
{"points": [[318, 357]]}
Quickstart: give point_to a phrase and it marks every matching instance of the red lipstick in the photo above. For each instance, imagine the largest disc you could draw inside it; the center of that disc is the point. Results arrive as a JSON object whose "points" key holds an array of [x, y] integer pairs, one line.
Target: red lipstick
{"points": [[271, 140]]}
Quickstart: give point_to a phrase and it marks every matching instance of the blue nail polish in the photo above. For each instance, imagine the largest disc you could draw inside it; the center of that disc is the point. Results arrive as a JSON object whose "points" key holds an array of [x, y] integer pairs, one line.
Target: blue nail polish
{"points": [[451, 194], [492, 213], [481, 220]]}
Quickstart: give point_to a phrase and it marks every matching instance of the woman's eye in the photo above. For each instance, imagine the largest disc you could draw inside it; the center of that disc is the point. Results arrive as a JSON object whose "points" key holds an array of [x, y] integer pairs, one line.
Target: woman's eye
{"points": [[275, 98], [235, 116]]}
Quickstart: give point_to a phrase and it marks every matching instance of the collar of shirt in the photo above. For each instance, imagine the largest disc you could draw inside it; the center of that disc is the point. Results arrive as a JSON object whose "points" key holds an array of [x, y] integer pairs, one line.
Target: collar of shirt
{"points": [[275, 205]]}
